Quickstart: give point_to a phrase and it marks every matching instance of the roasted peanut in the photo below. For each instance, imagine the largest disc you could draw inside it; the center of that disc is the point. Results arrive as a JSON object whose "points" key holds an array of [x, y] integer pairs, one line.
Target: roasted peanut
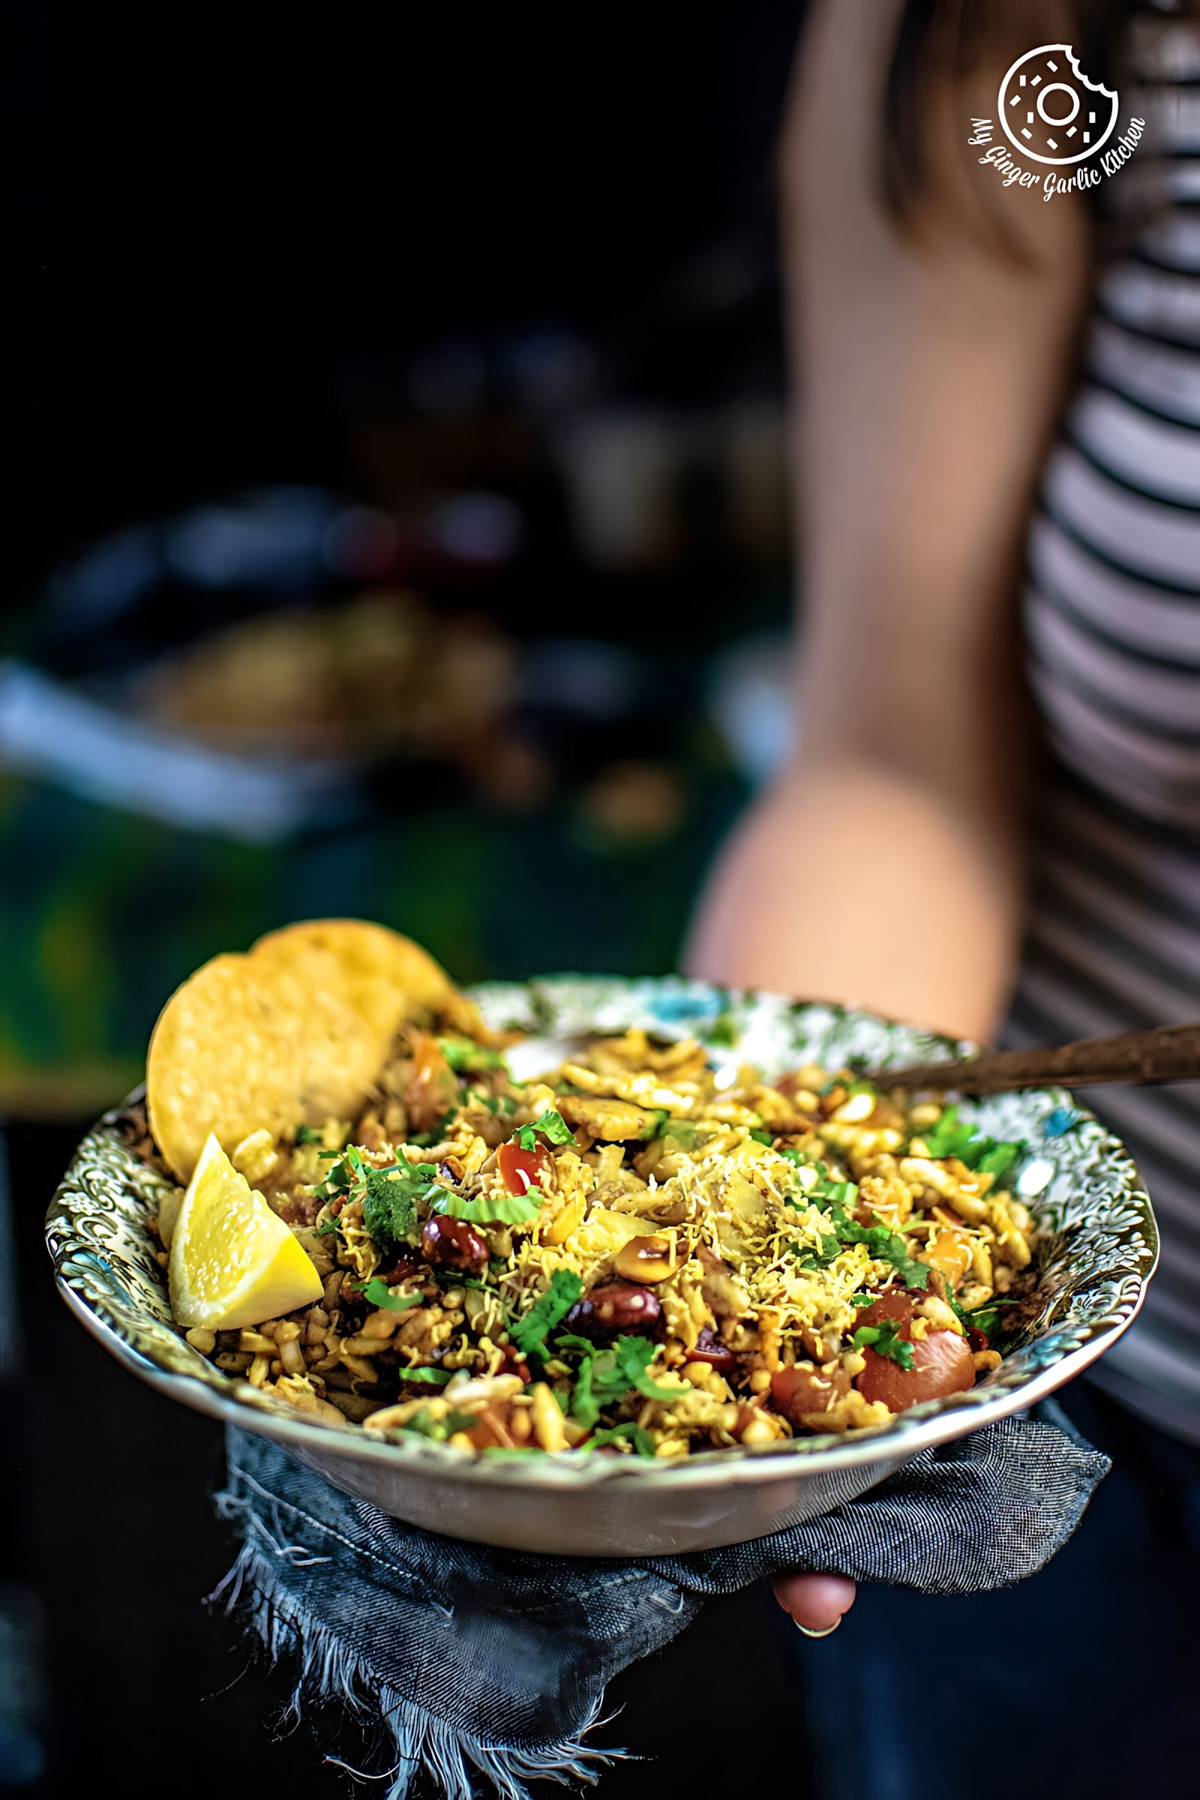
{"points": [[646, 1259], [454, 1244]]}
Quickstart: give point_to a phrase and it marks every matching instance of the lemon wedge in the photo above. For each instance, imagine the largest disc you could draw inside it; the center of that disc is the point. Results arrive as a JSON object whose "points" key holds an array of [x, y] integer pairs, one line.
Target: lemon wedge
{"points": [[233, 1261]]}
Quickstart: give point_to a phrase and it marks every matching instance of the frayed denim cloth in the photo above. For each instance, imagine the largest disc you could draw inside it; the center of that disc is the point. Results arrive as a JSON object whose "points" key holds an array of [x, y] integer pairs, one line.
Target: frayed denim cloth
{"points": [[496, 1661]]}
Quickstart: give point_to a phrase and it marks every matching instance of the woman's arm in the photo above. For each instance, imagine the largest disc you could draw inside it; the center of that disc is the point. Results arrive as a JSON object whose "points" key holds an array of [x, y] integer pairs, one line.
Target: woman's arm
{"points": [[886, 865], [929, 359]]}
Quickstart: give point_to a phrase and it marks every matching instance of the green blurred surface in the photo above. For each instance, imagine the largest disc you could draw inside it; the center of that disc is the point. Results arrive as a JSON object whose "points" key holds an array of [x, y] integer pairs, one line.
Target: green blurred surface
{"points": [[102, 913]]}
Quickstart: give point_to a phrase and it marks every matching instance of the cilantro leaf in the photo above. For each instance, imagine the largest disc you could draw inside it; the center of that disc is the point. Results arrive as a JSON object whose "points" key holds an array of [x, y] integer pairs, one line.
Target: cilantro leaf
{"points": [[948, 1137], [985, 1318], [551, 1124], [997, 1160], [501, 1209], [817, 1183], [529, 1332], [433, 1377], [376, 1293], [309, 1134], [608, 1375], [466, 1056], [723, 1032], [885, 1340], [634, 1356], [423, 1139], [763, 1137], [425, 1425], [329, 1225], [390, 1196], [821, 1257], [584, 1404], [985, 1155], [630, 1432], [884, 1244]]}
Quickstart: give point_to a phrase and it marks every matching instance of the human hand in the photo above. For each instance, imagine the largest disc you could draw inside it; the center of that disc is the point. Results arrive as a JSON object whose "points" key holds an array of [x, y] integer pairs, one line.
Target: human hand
{"points": [[816, 1603]]}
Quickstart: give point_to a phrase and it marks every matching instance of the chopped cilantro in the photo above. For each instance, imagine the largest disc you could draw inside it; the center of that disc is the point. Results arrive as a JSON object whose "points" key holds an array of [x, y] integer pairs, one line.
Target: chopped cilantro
{"points": [[985, 1155], [883, 1244], [684, 1132], [423, 1424], [309, 1134], [376, 1293], [434, 1377], [762, 1137], [816, 1182], [390, 1196], [631, 1432], [584, 1404], [450, 1278], [466, 1056], [634, 1356], [658, 1119], [997, 1160], [885, 1340], [551, 1124], [821, 1257], [723, 1032], [502, 1209], [329, 1225], [985, 1318], [529, 1332], [503, 1104], [605, 1376], [423, 1139]]}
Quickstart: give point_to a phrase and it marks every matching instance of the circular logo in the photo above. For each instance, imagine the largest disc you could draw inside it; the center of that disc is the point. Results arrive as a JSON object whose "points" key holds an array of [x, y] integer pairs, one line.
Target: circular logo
{"points": [[1049, 109]]}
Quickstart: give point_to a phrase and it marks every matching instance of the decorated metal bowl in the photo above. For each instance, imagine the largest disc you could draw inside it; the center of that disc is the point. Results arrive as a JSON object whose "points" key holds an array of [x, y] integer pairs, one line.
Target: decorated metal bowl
{"points": [[1095, 1248]]}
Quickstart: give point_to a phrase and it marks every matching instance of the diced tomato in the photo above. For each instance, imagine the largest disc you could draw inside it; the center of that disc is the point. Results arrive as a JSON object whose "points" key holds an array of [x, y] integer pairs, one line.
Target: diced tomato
{"points": [[523, 1169], [942, 1364], [797, 1392]]}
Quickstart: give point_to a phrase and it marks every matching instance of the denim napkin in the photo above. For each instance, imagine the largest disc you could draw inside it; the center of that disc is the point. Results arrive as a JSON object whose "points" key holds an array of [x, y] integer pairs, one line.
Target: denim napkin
{"points": [[494, 1662]]}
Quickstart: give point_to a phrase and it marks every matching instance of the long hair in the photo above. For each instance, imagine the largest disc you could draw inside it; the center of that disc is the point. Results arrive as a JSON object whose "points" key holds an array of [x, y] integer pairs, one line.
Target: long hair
{"points": [[941, 39]]}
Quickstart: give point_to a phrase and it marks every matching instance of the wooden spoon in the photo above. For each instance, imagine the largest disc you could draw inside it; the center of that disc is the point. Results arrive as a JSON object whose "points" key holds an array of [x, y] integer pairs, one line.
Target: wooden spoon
{"points": [[1168, 1053]]}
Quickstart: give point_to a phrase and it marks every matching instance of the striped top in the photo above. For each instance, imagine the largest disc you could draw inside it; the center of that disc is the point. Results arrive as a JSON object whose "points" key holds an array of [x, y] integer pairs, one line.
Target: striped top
{"points": [[1112, 616]]}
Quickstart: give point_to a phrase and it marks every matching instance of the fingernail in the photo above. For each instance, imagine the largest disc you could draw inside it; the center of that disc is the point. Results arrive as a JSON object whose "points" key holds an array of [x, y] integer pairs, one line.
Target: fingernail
{"points": [[809, 1632]]}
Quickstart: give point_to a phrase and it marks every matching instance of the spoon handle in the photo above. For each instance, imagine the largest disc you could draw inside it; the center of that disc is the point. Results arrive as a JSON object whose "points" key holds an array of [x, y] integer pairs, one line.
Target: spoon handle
{"points": [[1167, 1053]]}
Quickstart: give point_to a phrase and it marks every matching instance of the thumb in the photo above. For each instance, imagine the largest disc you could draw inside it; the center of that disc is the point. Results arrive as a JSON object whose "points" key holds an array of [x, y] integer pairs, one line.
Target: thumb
{"points": [[816, 1603]]}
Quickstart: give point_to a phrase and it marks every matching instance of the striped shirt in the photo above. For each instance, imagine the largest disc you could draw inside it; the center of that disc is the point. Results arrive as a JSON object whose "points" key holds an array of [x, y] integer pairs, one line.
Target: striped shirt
{"points": [[1112, 615]]}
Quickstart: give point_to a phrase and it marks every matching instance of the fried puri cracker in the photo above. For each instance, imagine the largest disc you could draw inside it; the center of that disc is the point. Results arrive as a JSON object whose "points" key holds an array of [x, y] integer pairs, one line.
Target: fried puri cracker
{"points": [[388, 976], [292, 1032]]}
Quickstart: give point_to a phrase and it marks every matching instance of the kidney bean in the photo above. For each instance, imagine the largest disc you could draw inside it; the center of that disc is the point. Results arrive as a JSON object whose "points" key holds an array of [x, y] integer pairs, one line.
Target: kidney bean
{"points": [[798, 1390], [978, 1340], [708, 1348], [619, 1308], [454, 1244]]}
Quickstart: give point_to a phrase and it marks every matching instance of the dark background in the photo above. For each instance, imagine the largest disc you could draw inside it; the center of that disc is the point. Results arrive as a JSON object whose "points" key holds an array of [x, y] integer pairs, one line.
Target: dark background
{"points": [[231, 224], [234, 233]]}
